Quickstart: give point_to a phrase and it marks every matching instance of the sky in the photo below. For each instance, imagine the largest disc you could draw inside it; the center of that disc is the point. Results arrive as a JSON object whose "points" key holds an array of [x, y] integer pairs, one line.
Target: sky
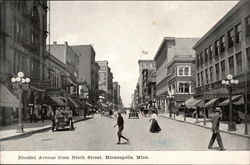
{"points": [[120, 30]]}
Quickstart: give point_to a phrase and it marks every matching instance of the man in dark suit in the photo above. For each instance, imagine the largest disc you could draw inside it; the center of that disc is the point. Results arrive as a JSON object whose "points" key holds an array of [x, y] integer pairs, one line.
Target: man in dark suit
{"points": [[120, 123], [215, 129]]}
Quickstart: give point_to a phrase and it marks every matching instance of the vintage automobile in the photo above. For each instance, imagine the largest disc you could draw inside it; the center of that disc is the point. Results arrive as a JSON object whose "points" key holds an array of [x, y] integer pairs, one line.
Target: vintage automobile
{"points": [[63, 120], [133, 113]]}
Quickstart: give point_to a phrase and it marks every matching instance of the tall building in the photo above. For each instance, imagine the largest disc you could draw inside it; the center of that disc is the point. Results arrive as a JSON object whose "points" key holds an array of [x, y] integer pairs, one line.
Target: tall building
{"points": [[105, 81], [223, 50], [170, 48], [146, 80], [23, 36], [88, 69]]}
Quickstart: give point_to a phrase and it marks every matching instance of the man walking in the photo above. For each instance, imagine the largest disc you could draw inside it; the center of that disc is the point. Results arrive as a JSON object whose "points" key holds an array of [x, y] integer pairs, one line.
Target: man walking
{"points": [[215, 129], [120, 123]]}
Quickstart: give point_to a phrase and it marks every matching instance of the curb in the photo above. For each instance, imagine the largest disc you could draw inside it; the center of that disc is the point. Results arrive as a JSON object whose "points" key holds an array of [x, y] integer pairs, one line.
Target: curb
{"points": [[38, 130], [245, 136]]}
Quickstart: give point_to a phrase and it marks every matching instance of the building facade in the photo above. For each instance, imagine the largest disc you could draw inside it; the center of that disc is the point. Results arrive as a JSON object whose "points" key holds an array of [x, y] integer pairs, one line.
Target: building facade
{"points": [[105, 81], [170, 47], [146, 80], [88, 69], [223, 50], [23, 44], [180, 80]]}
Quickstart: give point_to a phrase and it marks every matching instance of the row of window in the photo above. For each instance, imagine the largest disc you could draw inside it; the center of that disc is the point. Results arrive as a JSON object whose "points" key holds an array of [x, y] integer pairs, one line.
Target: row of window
{"points": [[183, 87], [233, 36], [220, 70]]}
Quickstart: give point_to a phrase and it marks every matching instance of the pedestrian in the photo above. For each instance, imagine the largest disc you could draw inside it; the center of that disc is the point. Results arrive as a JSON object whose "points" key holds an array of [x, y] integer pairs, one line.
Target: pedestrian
{"points": [[120, 123], [154, 128], [215, 129], [42, 114]]}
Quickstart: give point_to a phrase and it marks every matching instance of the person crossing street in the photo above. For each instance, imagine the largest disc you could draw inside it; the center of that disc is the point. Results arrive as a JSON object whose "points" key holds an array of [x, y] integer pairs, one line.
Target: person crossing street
{"points": [[120, 123]]}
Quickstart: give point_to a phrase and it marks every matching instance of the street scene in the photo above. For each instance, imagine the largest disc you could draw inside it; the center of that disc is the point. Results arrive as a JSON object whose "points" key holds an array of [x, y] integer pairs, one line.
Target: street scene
{"points": [[109, 76]]}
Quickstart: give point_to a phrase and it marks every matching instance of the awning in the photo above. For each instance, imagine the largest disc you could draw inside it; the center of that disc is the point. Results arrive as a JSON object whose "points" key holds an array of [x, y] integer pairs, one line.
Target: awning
{"points": [[88, 104], [7, 99], [240, 101], [72, 103], [55, 100], [226, 102], [79, 102], [210, 103], [192, 102]]}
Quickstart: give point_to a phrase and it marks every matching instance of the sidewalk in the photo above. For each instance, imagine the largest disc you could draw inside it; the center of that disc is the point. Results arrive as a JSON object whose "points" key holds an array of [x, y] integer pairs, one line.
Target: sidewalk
{"points": [[9, 132], [240, 128]]}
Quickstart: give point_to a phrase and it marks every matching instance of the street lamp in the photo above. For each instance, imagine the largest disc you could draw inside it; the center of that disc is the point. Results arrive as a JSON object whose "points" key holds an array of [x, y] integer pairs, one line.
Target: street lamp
{"points": [[20, 80], [229, 82], [171, 97]]}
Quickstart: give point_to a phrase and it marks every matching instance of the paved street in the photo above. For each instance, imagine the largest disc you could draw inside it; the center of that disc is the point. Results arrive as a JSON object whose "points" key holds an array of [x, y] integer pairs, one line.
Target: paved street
{"points": [[98, 134]]}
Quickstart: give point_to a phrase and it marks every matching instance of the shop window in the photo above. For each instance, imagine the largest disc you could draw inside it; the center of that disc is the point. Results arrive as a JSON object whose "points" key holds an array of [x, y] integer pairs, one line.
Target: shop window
{"points": [[230, 38], [231, 65], [237, 33], [239, 63]]}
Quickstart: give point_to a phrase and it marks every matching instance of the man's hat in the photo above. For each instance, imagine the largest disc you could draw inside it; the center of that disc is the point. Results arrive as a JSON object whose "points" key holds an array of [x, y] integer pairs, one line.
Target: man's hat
{"points": [[217, 109]]}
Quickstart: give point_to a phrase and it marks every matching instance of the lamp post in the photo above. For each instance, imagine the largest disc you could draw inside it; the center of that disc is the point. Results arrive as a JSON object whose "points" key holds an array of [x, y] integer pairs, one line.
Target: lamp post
{"points": [[229, 82], [20, 80], [171, 97]]}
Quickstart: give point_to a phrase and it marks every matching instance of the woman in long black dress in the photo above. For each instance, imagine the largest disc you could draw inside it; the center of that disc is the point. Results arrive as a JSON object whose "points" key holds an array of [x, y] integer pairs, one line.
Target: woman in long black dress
{"points": [[154, 128]]}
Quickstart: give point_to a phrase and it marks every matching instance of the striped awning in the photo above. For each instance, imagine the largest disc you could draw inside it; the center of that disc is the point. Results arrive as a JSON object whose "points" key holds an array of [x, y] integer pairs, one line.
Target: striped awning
{"points": [[226, 102], [7, 99], [210, 103], [192, 102]]}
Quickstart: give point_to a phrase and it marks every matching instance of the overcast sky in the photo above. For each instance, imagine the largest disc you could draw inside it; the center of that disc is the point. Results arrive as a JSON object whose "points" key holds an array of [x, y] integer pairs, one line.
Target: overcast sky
{"points": [[120, 30]]}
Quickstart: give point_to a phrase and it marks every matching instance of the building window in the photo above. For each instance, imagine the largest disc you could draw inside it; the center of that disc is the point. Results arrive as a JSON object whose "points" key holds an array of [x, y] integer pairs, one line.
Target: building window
{"points": [[183, 87], [211, 73], [186, 71], [216, 50], [198, 79], [222, 44], [248, 26], [231, 65], [197, 60], [230, 38], [248, 57], [201, 59], [239, 63], [223, 69], [237, 33], [217, 71], [206, 73], [206, 55], [202, 78], [210, 52]]}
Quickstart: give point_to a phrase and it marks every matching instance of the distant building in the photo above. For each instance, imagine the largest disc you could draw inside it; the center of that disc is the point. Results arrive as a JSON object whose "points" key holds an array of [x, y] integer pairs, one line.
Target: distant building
{"points": [[23, 34], [146, 80], [223, 50], [180, 80], [105, 81], [88, 69], [70, 58], [170, 47]]}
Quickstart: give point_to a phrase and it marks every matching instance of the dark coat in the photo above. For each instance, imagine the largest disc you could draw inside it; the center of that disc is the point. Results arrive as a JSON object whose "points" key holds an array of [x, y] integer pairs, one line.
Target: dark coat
{"points": [[154, 128], [215, 123]]}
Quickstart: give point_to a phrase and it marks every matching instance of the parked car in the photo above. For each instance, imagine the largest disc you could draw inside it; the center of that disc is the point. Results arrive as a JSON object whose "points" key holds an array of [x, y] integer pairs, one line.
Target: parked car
{"points": [[62, 121], [133, 113]]}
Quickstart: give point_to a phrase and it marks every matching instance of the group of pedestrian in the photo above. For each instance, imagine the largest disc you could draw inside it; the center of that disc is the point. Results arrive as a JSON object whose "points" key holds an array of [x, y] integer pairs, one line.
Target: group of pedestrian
{"points": [[155, 128]]}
